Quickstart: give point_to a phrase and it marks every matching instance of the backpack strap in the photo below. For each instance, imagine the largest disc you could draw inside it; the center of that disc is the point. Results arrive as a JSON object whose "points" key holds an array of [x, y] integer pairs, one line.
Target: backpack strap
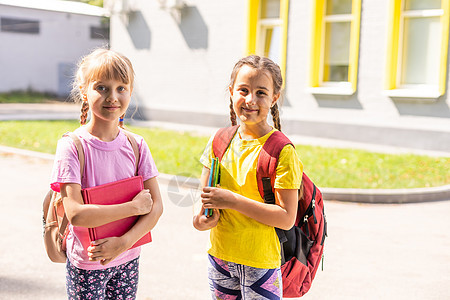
{"points": [[135, 147], [81, 159], [266, 171], [80, 150], [222, 140], [267, 164]]}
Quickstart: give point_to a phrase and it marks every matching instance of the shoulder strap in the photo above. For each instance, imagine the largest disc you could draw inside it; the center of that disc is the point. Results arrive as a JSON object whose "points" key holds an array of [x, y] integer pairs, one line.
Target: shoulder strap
{"points": [[80, 150], [81, 159], [267, 164], [222, 140], [135, 147]]}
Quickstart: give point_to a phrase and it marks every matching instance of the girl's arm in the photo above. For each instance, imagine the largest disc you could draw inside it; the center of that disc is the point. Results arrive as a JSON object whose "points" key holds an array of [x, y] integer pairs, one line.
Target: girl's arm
{"points": [[105, 250], [282, 215], [200, 221], [91, 215]]}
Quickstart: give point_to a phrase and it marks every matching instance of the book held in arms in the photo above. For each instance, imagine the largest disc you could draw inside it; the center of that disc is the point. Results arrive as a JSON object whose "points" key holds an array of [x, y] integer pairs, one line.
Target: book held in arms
{"points": [[116, 192]]}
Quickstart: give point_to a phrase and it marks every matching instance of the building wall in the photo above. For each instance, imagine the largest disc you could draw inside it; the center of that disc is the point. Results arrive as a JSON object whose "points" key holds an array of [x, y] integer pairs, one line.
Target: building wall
{"points": [[368, 115], [183, 65], [44, 62], [183, 62]]}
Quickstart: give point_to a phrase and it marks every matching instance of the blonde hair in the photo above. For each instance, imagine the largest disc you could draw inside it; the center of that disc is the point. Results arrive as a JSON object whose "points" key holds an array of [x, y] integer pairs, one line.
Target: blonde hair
{"points": [[101, 64]]}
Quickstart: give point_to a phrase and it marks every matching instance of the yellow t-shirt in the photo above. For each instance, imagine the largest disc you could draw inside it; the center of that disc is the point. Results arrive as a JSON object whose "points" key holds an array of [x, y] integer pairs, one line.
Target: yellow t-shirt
{"points": [[238, 238]]}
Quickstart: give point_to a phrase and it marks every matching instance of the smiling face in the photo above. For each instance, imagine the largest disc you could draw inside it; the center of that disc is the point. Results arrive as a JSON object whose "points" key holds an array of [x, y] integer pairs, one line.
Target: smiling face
{"points": [[253, 96], [108, 99], [99, 74]]}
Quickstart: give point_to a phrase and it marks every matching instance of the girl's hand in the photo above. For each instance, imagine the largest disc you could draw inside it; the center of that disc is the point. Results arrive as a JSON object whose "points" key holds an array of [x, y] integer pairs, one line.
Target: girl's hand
{"points": [[201, 222], [215, 197], [143, 202], [105, 250]]}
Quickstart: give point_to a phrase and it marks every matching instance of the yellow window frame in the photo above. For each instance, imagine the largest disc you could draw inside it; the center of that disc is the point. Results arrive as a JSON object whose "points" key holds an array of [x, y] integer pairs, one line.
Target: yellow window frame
{"points": [[317, 43], [252, 30], [393, 53]]}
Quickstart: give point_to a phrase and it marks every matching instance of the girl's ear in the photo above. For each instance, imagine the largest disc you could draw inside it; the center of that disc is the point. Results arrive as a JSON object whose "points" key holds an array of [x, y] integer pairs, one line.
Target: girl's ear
{"points": [[275, 99], [230, 88]]}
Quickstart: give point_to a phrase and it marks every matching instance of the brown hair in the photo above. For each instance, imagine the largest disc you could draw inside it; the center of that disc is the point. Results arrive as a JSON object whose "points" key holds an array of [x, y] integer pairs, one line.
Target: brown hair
{"points": [[264, 64], [100, 64]]}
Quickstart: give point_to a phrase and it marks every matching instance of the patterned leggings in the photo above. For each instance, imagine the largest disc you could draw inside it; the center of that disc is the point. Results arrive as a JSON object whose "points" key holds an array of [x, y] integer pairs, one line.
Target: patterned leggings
{"points": [[230, 281], [118, 282]]}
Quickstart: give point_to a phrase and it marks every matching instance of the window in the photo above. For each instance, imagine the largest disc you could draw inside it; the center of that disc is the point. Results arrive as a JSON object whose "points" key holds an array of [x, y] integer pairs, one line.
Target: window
{"points": [[267, 30], [335, 46], [19, 25], [417, 49]]}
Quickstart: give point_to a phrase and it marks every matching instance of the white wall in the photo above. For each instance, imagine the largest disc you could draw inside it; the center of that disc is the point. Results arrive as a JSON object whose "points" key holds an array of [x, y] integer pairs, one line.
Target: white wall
{"points": [[182, 62], [31, 61], [183, 68]]}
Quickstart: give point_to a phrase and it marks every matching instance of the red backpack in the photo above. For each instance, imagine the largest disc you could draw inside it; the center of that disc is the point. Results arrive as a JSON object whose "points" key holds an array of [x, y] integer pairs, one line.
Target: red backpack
{"points": [[302, 245]]}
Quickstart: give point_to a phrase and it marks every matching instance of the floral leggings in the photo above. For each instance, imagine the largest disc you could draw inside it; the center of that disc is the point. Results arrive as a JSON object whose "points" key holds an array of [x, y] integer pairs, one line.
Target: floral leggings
{"points": [[118, 282]]}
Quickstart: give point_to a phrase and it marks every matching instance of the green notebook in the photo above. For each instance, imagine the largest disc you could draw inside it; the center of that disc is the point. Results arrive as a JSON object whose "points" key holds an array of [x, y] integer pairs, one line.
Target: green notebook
{"points": [[213, 180]]}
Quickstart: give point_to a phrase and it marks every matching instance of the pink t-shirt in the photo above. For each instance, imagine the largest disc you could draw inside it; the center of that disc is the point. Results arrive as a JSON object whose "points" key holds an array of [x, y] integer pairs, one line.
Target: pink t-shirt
{"points": [[105, 162]]}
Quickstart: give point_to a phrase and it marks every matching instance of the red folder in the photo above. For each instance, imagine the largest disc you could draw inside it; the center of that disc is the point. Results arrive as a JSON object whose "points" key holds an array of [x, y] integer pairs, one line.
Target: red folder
{"points": [[115, 193]]}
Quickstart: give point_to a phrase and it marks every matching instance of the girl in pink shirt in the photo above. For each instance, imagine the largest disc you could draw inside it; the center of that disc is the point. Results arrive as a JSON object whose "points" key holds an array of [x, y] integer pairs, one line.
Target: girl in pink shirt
{"points": [[104, 268]]}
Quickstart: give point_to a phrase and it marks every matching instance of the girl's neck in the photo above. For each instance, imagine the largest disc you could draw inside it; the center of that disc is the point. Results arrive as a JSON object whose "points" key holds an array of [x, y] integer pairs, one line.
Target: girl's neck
{"points": [[104, 131], [254, 131]]}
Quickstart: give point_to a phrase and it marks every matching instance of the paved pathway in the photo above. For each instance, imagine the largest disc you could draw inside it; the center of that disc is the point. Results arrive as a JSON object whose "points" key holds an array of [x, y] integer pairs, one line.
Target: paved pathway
{"points": [[373, 251], [39, 111]]}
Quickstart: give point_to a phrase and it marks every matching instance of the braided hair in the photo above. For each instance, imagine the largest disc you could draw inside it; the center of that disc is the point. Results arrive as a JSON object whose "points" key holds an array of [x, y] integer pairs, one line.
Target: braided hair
{"points": [[232, 114], [84, 112]]}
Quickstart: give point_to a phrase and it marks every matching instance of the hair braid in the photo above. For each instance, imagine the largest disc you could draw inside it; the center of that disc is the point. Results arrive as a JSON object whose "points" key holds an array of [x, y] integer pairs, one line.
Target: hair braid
{"points": [[121, 121], [84, 112], [232, 114], [276, 116]]}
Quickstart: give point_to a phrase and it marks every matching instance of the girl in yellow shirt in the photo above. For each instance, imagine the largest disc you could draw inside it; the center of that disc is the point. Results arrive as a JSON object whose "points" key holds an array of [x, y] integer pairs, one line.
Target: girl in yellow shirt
{"points": [[245, 251]]}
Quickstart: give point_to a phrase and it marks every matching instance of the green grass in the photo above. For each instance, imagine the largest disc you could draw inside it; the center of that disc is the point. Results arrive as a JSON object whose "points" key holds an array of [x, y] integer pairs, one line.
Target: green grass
{"points": [[351, 168], [178, 153], [174, 152], [26, 97]]}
